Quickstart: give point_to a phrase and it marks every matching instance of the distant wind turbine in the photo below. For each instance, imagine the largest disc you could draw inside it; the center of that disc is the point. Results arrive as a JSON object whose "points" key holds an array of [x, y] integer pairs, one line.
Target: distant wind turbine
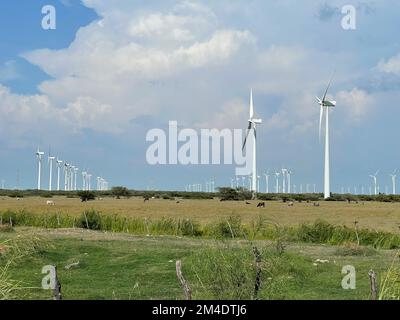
{"points": [[58, 163], [325, 105], [374, 177], [394, 177], [252, 127], [39, 155], [51, 159]]}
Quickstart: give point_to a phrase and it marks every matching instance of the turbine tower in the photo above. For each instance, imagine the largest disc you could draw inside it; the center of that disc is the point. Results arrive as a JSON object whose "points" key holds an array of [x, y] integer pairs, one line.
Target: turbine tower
{"points": [[66, 171], [59, 163], [289, 176], [325, 105], [277, 174], [51, 159], [394, 177], [252, 127], [75, 178], [374, 177], [266, 182], [39, 155]]}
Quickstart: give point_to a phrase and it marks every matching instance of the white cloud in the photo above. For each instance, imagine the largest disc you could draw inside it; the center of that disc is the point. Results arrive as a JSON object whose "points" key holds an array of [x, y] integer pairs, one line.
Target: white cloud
{"points": [[392, 65], [356, 103]]}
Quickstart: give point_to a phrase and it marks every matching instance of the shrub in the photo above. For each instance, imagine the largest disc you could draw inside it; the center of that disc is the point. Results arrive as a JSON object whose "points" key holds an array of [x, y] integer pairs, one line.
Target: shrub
{"points": [[119, 192], [90, 220], [86, 195], [230, 228]]}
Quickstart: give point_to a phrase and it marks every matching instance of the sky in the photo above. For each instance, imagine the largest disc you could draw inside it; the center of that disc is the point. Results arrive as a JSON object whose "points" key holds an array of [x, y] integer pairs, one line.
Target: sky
{"points": [[91, 89]]}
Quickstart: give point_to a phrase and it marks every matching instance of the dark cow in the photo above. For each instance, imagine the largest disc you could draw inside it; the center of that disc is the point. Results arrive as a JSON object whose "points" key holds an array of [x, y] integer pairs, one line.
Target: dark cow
{"points": [[261, 205]]}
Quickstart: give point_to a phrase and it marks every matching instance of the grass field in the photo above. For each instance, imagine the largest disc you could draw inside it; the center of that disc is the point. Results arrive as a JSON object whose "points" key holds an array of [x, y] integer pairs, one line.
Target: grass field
{"points": [[372, 215], [129, 266], [119, 266]]}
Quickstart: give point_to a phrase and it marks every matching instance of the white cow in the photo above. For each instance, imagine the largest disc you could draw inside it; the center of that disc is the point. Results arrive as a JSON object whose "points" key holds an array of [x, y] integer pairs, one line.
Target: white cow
{"points": [[50, 203]]}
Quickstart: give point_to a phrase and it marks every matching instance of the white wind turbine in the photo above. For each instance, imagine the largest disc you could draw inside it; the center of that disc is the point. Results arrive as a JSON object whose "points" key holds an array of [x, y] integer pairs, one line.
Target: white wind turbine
{"points": [[325, 105], [76, 170], [374, 178], [252, 127], [394, 177], [84, 173], [51, 159], [66, 174], [277, 174], [266, 182], [284, 176], [39, 155], [289, 178], [58, 163]]}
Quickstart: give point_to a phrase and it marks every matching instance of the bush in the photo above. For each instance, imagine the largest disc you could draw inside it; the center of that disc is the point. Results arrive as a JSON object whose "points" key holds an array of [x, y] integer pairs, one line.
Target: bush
{"points": [[90, 220], [119, 192], [86, 196], [230, 228]]}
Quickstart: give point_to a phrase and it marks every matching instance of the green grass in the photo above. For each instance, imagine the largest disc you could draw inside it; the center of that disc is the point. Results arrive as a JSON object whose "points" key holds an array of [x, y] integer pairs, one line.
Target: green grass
{"points": [[122, 266]]}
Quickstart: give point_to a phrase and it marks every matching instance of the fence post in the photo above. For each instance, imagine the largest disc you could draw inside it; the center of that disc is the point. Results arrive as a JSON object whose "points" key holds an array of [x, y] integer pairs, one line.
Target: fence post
{"points": [[374, 287], [257, 285], [57, 289], [11, 223], [185, 286]]}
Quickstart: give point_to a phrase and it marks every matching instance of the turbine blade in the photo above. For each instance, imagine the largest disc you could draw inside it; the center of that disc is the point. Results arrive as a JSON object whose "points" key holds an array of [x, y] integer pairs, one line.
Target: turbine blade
{"points": [[247, 135], [321, 115], [327, 89], [251, 105]]}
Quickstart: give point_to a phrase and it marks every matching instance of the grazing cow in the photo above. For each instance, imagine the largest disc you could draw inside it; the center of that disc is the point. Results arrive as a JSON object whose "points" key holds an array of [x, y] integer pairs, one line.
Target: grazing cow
{"points": [[316, 204], [50, 203], [261, 205], [291, 204]]}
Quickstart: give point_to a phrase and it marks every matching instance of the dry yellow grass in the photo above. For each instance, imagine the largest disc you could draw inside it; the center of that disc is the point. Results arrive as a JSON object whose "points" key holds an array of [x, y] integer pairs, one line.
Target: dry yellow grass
{"points": [[373, 215]]}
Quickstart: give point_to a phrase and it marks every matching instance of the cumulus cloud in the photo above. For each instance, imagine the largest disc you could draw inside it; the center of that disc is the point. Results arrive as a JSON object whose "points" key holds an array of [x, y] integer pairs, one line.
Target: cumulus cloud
{"points": [[392, 65], [356, 103]]}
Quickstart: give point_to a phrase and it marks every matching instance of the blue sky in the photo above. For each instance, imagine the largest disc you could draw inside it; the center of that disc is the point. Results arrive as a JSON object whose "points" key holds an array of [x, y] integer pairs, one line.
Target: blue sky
{"points": [[111, 71]]}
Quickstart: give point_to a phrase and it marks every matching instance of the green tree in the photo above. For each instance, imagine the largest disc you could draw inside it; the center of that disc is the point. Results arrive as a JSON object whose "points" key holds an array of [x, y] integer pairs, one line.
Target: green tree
{"points": [[119, 192]]}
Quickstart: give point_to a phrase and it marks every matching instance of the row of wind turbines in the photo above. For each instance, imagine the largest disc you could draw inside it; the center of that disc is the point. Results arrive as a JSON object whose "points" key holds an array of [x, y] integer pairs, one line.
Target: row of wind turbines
{"points": [[325, 106], [283, 182], [70, 175], [253, 122]]}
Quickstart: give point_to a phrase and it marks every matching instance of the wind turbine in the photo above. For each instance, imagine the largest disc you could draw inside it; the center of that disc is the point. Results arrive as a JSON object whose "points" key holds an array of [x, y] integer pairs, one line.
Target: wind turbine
{"points": [[58, 163], [266, 182], [289, 175], [75, 178], [277, 174], [39, 155], [84, 173], [51, 159], [374, 177], [325, 105], [394, 177], [66, 174], [252, 127], [284, 176]]}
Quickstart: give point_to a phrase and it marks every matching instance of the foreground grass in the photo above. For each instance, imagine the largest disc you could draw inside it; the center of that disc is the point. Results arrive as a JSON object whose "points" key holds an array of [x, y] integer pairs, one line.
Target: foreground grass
{"points": [[120, 266]]}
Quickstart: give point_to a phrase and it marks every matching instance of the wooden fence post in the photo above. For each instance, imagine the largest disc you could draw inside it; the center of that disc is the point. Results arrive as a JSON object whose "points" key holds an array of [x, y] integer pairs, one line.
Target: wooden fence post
{"points": [[374, 287], [185, 286], [257, 285], [57, 289]]}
